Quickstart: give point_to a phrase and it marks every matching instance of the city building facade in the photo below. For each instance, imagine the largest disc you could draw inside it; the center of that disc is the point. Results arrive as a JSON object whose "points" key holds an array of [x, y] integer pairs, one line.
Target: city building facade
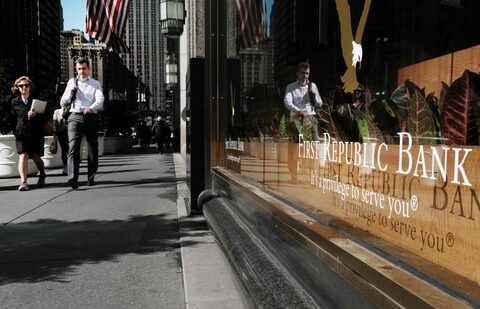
{"points": [[68, 38], [256, 66]]}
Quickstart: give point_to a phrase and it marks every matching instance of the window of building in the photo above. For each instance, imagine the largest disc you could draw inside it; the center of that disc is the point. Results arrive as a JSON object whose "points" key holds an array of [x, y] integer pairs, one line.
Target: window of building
{"points": [[383, 133]]}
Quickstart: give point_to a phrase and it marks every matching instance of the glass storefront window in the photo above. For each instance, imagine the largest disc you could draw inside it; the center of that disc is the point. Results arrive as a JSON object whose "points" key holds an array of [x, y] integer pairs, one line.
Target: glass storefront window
{"points": [[398, 126]]}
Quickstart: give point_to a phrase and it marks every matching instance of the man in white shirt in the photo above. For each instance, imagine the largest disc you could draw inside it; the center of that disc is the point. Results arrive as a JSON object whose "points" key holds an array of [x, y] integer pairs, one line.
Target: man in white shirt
{"points": [[302, 96], [83, 120]]}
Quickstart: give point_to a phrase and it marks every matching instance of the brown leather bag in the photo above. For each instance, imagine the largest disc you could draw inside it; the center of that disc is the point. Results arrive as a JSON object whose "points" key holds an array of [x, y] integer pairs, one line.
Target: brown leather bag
{"points": [[53, 147], [47, 128]]}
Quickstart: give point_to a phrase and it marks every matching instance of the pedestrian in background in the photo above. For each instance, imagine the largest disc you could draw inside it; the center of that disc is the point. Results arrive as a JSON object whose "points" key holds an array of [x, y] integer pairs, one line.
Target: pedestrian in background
{"points": [[167, 135], [61, 131], [83, 121], [27, 127], [158, 134], [144, 136]]}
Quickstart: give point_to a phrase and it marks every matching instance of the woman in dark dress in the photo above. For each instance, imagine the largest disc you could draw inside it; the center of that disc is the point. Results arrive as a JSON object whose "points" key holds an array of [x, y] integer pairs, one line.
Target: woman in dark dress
{"points": [[27, 128]]}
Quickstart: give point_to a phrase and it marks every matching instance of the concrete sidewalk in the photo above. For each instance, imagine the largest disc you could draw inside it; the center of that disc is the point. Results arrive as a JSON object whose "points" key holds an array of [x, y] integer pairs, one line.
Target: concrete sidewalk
{"points": [[208, 278], [58, 233]]}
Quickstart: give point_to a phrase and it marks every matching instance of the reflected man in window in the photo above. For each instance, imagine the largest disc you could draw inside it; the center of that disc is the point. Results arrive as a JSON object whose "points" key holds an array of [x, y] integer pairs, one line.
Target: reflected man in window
{"points": [[301, 97]]}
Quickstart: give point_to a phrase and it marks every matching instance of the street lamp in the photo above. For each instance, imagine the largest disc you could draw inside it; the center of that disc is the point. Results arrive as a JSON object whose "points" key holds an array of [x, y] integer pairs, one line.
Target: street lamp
{"points": [[139, 87], [172, 17], [171, 74]]}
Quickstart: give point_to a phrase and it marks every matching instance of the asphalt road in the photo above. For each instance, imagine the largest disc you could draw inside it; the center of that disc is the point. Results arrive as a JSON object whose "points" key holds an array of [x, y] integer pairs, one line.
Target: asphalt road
{"points": [[114, 245]]}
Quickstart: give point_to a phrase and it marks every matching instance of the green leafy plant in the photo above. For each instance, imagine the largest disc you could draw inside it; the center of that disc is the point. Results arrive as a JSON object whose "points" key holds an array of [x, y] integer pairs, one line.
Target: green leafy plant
{"points": [[306, 129], [326, 123], [382, 112], [414, 112], [283, 126]]}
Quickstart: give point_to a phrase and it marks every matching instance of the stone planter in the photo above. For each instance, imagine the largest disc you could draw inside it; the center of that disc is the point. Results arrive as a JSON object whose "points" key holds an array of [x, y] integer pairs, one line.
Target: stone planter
{"points": [[256, 150], [9, 158], [51, 160], [256, 147], [271, 150]]}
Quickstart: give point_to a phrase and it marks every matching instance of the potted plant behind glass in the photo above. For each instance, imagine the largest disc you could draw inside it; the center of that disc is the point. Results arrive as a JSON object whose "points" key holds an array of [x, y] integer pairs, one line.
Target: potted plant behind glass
{"points": [[283, 140]]}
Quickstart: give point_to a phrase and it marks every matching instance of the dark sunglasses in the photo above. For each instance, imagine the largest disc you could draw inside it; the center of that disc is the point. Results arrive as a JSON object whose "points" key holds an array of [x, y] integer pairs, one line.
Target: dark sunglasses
{"points": [[23, 85]]}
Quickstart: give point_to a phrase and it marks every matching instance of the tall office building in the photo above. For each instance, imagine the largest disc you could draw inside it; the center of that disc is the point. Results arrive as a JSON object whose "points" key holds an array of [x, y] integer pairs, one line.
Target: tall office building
{"points": [[146, 57], [256, 65], [67, 39], [30, 40]]}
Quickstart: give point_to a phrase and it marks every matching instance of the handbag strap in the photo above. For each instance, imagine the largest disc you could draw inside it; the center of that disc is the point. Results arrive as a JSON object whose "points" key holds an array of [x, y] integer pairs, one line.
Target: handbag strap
{"points": [[72, 101]]}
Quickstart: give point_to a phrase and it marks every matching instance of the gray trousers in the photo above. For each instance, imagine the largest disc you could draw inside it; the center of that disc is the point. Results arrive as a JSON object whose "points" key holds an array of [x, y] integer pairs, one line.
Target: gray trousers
{"points": [[78, 126]]}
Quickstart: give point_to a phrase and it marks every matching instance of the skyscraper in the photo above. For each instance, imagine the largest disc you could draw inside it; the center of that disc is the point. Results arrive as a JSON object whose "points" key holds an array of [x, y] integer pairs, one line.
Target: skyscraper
{"points": [[146, 57], [30, 39]]}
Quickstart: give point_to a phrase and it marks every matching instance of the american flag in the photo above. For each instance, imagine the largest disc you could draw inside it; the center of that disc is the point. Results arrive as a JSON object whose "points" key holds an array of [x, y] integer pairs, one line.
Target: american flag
{"points": [[106, 21], [251, 23]]}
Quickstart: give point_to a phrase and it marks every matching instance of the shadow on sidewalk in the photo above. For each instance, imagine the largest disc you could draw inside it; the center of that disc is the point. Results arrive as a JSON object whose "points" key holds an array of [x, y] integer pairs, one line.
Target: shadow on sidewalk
{"points": [[55, 250], [52, 250]]}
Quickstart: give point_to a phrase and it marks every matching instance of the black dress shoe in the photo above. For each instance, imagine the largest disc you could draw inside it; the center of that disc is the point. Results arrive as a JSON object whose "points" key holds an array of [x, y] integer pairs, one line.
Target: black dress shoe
{"points": [[73, 183], [41, 180], [91, 181]]}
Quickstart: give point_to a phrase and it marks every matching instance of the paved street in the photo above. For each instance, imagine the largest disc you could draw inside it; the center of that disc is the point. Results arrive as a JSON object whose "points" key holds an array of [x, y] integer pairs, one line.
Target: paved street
{"points": [[118, 244]]}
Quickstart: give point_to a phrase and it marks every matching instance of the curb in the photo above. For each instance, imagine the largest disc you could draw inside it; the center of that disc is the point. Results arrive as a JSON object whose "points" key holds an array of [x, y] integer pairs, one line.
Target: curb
{"points": [[208, 278]]}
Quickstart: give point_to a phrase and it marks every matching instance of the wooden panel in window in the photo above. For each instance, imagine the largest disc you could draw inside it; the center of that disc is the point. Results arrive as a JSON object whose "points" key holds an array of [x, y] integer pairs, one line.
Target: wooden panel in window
{"points": [[428, 74], [466, 59]]}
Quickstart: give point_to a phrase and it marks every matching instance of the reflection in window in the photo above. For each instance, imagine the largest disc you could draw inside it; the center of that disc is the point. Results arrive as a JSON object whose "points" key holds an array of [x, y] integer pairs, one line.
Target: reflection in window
{"points": [[398, 76]]}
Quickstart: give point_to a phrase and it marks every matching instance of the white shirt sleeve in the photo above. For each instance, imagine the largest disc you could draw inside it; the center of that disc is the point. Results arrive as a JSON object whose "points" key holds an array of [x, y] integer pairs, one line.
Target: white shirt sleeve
{"points": [[99, 98], [288, 100], [67, 94]]}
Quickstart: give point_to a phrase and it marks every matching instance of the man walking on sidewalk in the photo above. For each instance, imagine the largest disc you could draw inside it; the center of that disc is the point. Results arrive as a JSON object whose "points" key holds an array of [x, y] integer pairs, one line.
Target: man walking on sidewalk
{"points": [[88, 101]]}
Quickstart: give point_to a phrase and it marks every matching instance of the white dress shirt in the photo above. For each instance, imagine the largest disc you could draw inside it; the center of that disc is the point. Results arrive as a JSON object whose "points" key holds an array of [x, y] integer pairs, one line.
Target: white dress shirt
{"points": [[89, 94], [297, 99]]}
